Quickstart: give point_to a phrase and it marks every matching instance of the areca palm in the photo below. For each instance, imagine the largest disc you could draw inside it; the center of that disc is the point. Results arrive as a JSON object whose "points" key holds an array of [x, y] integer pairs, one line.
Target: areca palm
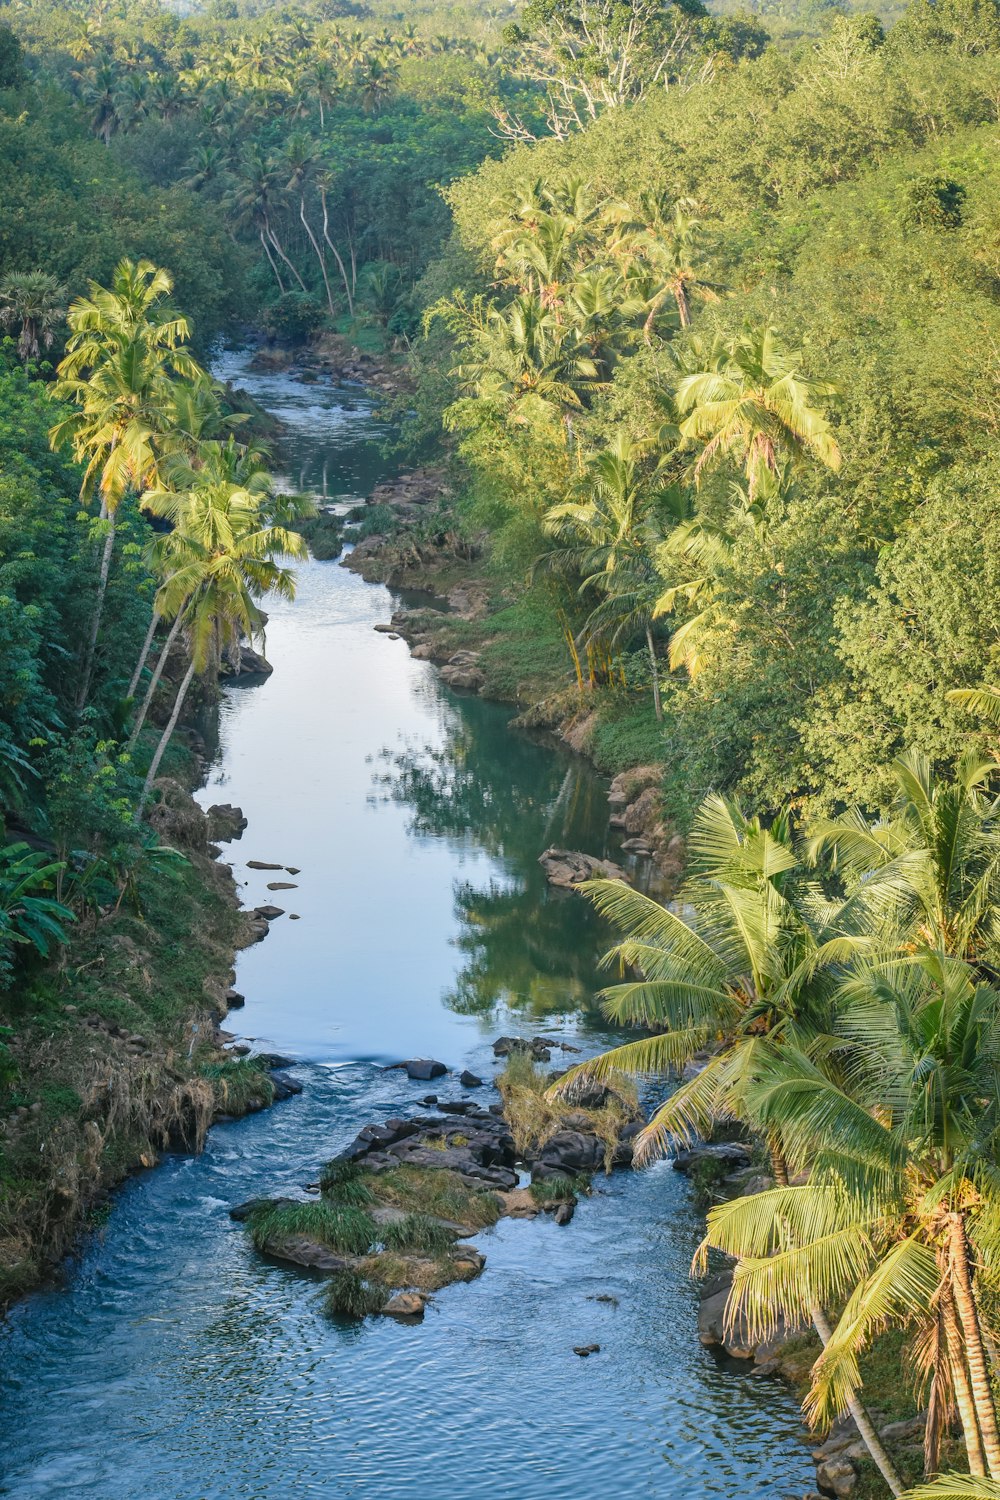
{"points": [[900, 1216], [934, 857], [126, 346], [751, 401]]}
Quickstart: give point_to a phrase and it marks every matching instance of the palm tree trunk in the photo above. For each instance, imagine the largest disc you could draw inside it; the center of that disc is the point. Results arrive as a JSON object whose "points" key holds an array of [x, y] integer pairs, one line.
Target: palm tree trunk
{"points": [[95, 623], [965, 1304], [657, 704], [154, 765], [272, 263], [143, 654], [161, 662], [961, 1385], [336, 252], [862, 1420], [280, 249], [683, 306], [319, 255]]}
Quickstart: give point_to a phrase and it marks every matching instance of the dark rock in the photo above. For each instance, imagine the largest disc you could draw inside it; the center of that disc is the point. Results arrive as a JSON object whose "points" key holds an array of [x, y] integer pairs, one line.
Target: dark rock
{"points": [[244, 663], [458, 1107], [476, 1145], [567, 1154], [731, 1154], [429, 1099], [234, 1000], [285, 1086], [272, 1060], [423, 1069], [282, 885], [586, 1350], [225, 822], [563, 1212], [261, 864], [292, 870], [269, 913], [568, 867], [469, 1080], [242, 1211]]}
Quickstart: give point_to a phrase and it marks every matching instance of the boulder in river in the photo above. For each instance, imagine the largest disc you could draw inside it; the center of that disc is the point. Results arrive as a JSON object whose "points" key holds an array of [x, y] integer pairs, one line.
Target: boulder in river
{"points": [[568, 867], [470, 1080], [225, 822], [269, 913], [421, 1069], [478, 1147]]}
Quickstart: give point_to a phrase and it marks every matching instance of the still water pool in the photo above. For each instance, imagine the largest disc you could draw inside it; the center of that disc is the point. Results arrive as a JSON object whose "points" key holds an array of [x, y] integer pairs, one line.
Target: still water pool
{"points": [[175, 1364]]}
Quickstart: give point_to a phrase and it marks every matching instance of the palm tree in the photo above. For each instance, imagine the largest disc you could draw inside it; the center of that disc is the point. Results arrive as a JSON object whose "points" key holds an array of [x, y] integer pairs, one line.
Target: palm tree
{"points": [[101, 91], [608, 540], [253, 200], [751, 401], [125, 346], [35, 301], [319, 82], [934, 857], [900, 1215], [522, 364], [956, 1487], [299, 158], [226, 563], [752, 951], [663, 237]]}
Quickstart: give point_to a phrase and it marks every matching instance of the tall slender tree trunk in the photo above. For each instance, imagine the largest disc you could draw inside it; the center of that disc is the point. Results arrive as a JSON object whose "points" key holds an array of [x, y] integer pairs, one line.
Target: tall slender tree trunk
{"points": [[281, 251], [965, 1305], [272, 263], [862, 1420], [961, 1384], [95, 623], [154, 681], [336, 253], [683, 305], [657, 704], [319, 254], [165, 739], [147, 643]]}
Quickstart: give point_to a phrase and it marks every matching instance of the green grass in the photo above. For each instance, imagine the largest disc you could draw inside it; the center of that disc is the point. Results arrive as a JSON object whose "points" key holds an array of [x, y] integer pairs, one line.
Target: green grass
{"points": [[344, 1183], [417, 1234], [238, 1083], [437, 1192], [349, 1231], [558, 1189], [349, 1295], [627, 733], [325, 535], [372, 520]]}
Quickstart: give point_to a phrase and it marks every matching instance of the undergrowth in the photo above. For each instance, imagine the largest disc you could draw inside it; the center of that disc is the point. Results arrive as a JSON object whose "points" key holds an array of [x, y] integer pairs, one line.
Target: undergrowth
{"points": [[349, 1231]]}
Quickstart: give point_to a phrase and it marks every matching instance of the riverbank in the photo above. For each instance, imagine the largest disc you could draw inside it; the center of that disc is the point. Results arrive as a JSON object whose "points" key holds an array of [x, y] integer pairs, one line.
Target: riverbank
{"points": [[118, 1050]]}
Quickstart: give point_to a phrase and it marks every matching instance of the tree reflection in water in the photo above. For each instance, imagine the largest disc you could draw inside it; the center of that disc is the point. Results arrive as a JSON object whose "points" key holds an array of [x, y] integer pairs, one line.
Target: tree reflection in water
{"points": [[491, 789]]}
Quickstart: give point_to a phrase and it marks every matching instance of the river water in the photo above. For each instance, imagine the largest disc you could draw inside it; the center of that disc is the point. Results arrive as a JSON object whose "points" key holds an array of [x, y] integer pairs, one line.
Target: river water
{"points": [[175, 1364]]}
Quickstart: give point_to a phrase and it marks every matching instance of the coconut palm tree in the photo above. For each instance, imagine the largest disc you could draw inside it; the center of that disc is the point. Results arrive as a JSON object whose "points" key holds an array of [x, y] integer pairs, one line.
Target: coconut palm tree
{"points": [[226, 561], [522, 364], [934, 857], [126, 346], [900, 1216], [751, 401], [752, 952], [662, 239], [34, 302], [609, 541], [956, 1487]]}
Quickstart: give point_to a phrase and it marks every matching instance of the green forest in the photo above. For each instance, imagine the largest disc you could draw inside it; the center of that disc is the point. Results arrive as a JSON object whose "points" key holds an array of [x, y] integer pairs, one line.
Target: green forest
{"points": [[698, 310]]}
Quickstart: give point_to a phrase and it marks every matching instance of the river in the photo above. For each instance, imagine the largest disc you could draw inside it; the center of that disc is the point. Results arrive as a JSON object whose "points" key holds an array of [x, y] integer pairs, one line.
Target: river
{"points": [[174, 1363]]}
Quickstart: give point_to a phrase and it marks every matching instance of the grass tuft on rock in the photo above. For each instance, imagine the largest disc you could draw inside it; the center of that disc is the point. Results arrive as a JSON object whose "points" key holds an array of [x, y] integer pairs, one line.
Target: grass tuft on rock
{"points": [[439, 1193], [345, 1184], [239, 1085], [348, 1230], [534, 1114], [349, 1295], [418, 1232], [558, 1189]]}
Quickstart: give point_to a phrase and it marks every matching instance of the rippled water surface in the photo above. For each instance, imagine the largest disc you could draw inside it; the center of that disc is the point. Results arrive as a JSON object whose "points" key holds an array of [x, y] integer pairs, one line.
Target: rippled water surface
{"points": [[176, 1364]]}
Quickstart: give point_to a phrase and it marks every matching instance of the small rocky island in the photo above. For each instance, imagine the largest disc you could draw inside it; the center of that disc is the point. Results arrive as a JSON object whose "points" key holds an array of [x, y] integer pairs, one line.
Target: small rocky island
{"points": [[391, 1219]]}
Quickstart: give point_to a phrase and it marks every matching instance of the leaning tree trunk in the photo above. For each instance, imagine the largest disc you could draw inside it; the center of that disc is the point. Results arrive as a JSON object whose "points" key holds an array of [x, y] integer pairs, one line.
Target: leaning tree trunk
{"points": [[337, 256], [319, 255], [165, 737], [95, 623], [862, 1421], [154, 681], [961, 1384], [657, 704], [965, 1305], [147, 643], [272, 263]]}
